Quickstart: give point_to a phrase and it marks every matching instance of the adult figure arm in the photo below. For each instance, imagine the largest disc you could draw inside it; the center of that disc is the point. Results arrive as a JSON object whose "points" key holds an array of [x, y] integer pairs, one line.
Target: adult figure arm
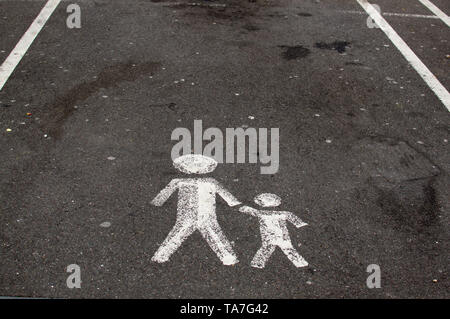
{"points": [[164, 194]]}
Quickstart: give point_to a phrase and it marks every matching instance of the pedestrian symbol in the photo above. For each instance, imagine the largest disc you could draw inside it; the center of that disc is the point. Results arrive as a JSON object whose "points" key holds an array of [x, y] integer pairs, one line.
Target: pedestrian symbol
{"points": [[196, 210]]}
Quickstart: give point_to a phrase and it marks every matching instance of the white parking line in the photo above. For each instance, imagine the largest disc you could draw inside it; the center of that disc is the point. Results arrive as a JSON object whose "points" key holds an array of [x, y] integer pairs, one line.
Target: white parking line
{"points": [[436, 11], [393, 14], [7, 68], [429, 78]]}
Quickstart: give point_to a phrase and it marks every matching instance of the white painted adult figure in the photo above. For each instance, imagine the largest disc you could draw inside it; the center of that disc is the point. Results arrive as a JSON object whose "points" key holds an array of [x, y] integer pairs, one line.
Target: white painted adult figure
{"points": [[196, 209], [274, 231]]}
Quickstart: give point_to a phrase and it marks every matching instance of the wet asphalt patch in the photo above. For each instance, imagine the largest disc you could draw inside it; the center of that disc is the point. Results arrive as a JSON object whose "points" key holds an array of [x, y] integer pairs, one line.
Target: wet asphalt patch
{"points": [[294, 52], [339, 46], [64, 105]]}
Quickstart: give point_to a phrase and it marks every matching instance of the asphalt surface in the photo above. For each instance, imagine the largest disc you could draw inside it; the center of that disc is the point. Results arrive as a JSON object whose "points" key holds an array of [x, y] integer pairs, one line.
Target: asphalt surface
{"points": [[364, 154]]}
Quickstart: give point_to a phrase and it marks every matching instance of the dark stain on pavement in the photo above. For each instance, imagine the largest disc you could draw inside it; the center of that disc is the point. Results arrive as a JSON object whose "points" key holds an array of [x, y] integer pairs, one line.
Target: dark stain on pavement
{"points": [[430, 205], [251, 27], [276, 15], [304, 14], [171, 106], [400, 183], [339, 46], [231, 10], [239, 44], [109, 77], [229, 13], [294, 52], [354, 63], [412, 205]]}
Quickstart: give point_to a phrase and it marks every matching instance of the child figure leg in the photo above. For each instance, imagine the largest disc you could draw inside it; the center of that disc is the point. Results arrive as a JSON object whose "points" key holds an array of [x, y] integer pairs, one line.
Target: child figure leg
{"points": [[262, 255], [293, 255]]}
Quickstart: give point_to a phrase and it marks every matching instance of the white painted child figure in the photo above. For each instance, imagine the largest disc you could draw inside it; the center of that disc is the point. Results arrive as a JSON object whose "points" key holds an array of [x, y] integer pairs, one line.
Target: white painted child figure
{"points": [[274, 231]]}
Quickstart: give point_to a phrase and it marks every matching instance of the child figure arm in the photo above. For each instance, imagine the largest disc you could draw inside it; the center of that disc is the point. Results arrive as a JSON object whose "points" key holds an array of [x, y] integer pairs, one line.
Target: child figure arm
{"points": [[248, 210], [295, 220]]}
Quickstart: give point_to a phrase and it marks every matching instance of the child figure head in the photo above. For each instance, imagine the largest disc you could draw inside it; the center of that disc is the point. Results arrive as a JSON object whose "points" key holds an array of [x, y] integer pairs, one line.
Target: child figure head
{"points": [[267, 200]]}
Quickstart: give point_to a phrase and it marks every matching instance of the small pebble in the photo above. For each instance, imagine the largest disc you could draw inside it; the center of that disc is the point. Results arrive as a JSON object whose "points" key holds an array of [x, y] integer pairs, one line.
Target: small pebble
{"points": [[105, 224]]}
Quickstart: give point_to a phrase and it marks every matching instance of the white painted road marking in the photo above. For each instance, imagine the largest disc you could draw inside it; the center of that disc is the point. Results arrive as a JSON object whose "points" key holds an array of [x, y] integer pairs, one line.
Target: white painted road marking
{"points": [[274, 231], [436, 11], [196, 209], [394, 14], [8, 66], [429, 78]]}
